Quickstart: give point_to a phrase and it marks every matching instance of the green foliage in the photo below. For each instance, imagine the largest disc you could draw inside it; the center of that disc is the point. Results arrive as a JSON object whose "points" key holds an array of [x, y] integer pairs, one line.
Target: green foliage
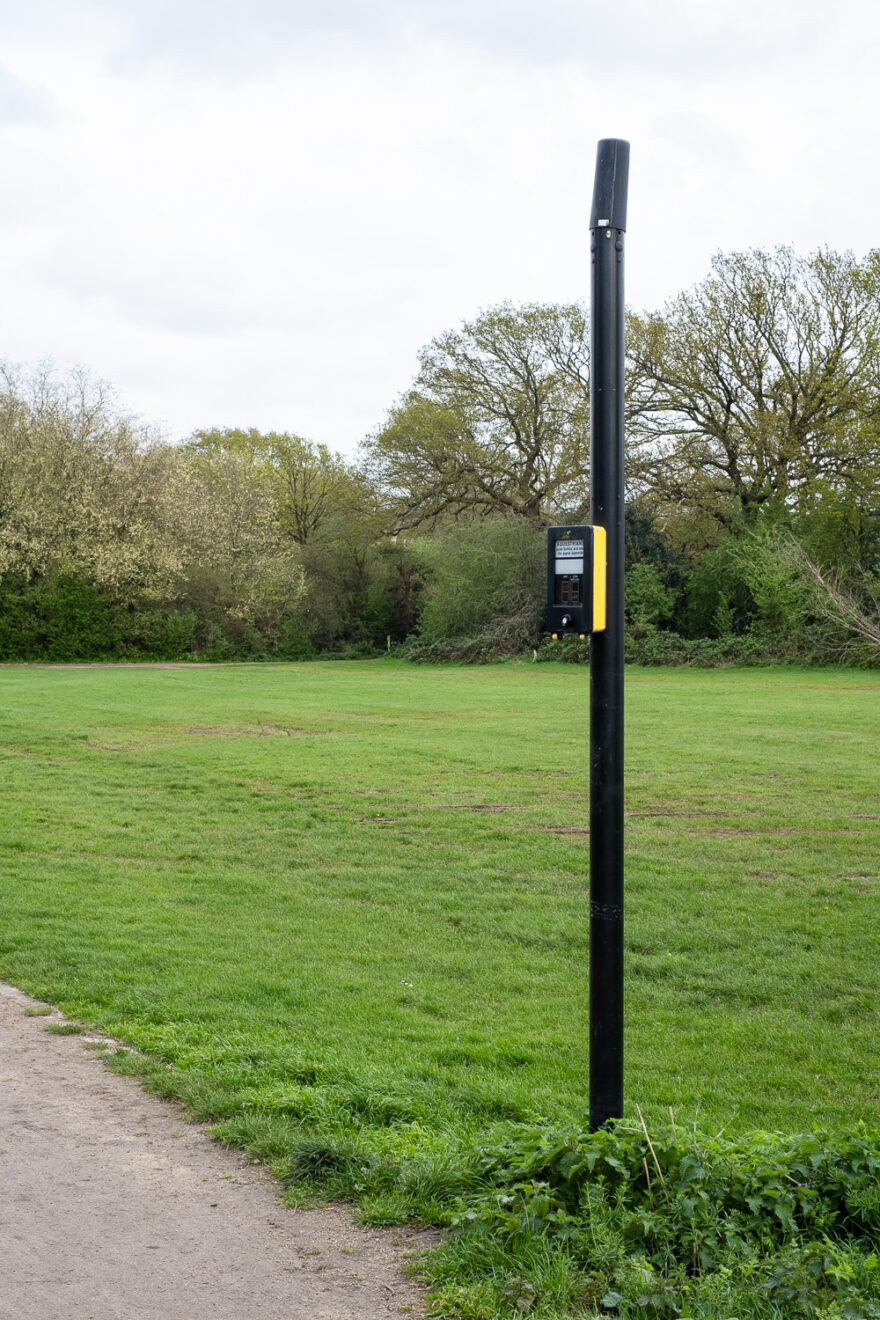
{"points": [[841, 535], [64, 619], [687, 1197], [659, 647], [718, 601], [57, 618], [85, 492], [783, 602], [567, 650], [757, 389], [724, 618], [648, 601], [752, 403], [486, 580], [496, 421], [676, 1223], [646, 542], [161, 634], [752, 410], [656, 646]]}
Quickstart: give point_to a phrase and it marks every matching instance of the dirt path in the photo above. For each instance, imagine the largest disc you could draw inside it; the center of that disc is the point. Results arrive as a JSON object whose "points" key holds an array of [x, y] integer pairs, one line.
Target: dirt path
{"points": [[112, 1207]]}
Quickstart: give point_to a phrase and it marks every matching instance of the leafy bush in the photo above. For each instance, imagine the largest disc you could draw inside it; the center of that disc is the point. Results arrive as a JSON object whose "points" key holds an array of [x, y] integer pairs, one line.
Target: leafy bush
{"points": [[568, 650], [64, 618], [717, 599], [676, 1224], [161, 634], [59, 618], [485, 578], [783, 601], [656, 647], [623, 1223], [649, 601], [482, 649]]}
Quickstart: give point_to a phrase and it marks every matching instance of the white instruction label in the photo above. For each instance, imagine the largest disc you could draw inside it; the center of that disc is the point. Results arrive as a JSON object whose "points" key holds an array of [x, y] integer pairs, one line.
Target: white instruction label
{"points": [[569, 549]]}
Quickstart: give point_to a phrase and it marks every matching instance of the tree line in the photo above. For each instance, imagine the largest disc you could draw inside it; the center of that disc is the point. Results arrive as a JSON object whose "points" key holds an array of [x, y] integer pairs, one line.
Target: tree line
{"points": [[753, 478]]}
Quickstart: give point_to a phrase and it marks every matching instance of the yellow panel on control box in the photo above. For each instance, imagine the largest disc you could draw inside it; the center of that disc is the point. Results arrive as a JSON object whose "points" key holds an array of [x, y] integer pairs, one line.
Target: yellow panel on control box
{"points": [[600, 568]]}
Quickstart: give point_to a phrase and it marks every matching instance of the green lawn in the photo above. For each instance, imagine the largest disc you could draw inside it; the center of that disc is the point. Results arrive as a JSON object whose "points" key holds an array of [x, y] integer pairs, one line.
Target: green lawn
{"points": [[355, 893], [340, 910]]}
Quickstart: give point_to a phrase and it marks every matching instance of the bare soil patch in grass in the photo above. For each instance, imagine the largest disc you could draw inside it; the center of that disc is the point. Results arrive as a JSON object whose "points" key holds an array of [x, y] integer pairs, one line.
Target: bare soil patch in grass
{"points": [[261, 731]]}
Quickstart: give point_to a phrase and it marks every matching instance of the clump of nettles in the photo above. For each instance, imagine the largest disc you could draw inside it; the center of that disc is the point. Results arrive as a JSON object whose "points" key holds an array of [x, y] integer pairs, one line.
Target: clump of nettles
{"points": [[626, 1224]]}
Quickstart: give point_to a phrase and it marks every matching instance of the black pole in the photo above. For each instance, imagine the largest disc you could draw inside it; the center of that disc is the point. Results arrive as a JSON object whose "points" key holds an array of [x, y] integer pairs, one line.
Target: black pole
{"points": [[607, 229]]}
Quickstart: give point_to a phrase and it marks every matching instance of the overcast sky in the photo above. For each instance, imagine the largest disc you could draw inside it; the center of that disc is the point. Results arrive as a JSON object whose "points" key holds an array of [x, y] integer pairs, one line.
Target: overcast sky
{"points": [[254, 212]]}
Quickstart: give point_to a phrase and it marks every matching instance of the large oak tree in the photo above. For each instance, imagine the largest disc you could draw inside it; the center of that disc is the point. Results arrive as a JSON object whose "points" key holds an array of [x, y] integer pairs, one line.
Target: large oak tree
{"points": [[760, 386], [497, 420]]}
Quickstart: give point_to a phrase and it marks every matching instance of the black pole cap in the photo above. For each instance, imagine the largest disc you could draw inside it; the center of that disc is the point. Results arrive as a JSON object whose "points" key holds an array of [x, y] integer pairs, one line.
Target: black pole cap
{"points": [[610, 185]]}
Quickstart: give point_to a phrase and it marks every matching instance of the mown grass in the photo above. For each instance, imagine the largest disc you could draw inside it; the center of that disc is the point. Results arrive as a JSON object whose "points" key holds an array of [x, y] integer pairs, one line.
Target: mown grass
{"points": [[336, 903]]}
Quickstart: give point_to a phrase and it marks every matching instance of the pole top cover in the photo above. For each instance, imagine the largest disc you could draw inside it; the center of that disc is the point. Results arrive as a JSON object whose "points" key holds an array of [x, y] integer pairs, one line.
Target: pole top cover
{"points": [[610, 184]]}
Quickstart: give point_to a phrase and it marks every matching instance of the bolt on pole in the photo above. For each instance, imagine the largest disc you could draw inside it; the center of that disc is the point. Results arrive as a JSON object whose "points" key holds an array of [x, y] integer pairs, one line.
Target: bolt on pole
{"points": [[607, 232]]}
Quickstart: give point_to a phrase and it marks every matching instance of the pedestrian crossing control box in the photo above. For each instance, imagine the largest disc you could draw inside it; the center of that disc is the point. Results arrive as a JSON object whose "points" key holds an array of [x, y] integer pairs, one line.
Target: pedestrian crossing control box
{"points": [[576, 560]]}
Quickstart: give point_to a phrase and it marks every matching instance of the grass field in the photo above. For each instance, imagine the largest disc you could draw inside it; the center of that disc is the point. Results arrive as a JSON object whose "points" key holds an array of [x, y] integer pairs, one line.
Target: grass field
{"points": [[352, 897]]}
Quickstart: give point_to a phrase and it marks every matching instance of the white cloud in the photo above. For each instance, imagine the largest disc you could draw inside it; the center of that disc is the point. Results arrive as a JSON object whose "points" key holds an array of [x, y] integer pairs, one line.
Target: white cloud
{"points": [[234, 35], [257, 215], [21, 103]]}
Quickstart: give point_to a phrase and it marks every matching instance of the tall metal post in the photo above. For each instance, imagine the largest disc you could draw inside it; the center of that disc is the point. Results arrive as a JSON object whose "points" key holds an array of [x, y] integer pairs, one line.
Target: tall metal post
{"points": [[607, 229]]}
